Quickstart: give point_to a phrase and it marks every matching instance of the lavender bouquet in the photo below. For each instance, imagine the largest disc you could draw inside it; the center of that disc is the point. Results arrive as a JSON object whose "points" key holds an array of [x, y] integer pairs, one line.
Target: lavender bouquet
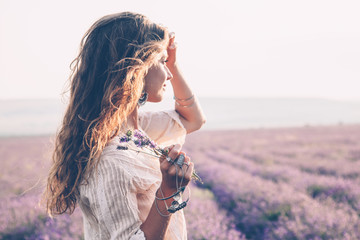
{"points": [[141, 142]]}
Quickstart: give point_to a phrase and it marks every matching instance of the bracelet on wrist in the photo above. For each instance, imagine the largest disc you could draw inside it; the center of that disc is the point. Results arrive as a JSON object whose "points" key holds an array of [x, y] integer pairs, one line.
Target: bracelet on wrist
{"points": [[180, 190], [184, 100], [185, 106], [175, 205]]}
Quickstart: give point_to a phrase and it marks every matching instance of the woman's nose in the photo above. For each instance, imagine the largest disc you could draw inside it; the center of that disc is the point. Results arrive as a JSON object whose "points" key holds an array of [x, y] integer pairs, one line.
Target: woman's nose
{"points": [[169, 75]]}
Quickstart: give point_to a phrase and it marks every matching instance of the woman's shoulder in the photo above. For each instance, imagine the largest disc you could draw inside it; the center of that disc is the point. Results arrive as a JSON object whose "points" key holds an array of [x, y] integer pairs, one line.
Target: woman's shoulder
{"points": [[164, 127], [164, 116]]}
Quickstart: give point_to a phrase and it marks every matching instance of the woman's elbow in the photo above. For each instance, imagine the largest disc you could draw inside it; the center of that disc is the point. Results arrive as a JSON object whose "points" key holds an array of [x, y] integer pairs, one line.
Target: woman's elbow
{"points": [[202, 122], [197, 125]]}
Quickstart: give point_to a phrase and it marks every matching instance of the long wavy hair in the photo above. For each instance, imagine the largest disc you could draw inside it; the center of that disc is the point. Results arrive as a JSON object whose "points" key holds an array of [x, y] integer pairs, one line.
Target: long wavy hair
{"points": [[106, 83]]}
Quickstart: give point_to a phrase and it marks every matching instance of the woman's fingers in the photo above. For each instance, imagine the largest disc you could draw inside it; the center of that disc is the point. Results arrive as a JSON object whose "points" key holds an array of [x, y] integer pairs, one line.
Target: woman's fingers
{"points": [[171, 152], [174, 152], [167, 162], [170, 163], [184, 170], [188, 167], [176, 168], [171, 40], [171, 50]]}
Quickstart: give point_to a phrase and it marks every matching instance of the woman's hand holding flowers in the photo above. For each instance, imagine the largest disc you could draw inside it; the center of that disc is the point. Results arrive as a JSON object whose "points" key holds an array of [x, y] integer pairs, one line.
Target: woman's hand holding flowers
{"points": [[170, 154], [175, 175], [176, 169]]}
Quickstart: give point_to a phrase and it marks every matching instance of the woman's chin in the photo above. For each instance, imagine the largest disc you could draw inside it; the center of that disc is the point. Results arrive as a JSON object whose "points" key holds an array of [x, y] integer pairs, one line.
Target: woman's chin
{"points": [[156, 99], [159, 99]]}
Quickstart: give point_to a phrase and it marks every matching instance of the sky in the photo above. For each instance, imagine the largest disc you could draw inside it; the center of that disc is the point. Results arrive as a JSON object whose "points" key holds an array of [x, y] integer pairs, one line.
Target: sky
{"points": [[299, 49]]}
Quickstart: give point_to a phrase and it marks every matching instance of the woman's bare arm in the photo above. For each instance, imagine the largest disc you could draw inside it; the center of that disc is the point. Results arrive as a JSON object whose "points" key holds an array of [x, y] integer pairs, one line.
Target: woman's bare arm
{"points": [[155, 225], [186, 104]]}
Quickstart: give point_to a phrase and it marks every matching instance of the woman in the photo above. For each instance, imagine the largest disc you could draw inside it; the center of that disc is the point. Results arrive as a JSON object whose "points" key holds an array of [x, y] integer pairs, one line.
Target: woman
{"points": [[124, 59]]}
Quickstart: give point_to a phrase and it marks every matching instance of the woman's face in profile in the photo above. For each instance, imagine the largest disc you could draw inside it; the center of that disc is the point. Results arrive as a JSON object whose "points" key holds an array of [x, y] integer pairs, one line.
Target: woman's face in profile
{"points": [[155, 80]]}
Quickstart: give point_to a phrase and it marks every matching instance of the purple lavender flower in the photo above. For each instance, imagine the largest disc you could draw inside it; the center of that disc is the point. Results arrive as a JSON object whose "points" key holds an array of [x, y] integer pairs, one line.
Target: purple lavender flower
{"points": [[122, 148], [152, 144], [138, 134], [138, 143], [125, 139]]}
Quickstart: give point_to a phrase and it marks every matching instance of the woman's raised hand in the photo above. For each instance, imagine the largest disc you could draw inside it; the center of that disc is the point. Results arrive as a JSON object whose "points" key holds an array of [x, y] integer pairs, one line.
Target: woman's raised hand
{"points": [[171, 51], [175, 174]]}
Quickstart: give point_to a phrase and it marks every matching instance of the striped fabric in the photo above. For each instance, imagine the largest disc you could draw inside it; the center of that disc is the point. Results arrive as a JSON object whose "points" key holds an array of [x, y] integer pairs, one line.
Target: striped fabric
{"points": [[118, 195]]}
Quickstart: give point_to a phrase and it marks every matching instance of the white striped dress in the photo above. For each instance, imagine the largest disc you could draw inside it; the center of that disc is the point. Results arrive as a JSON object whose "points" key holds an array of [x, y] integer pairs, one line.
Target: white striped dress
{"points": [[118, 196]]}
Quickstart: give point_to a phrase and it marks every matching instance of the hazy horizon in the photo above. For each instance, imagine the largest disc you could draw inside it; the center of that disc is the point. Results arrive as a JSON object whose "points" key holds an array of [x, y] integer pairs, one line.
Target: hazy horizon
{"points": [[43, 116]]}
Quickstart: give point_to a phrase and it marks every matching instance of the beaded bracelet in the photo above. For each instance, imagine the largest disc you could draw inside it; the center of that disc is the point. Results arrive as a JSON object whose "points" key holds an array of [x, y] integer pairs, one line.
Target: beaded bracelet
{"points": [[166, 198], [175, 205], [160, 213]]}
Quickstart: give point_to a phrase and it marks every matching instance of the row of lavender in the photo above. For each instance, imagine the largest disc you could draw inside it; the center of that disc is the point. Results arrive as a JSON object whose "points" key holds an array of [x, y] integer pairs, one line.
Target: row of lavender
{"points": [[23, 218], [272, 184], [206, 221], [23, 170], [324, 188], [285, 184]]}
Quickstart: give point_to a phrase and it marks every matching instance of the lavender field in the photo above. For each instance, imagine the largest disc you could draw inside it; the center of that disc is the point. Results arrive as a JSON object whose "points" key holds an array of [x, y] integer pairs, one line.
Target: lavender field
{"points": [[290, 183]]}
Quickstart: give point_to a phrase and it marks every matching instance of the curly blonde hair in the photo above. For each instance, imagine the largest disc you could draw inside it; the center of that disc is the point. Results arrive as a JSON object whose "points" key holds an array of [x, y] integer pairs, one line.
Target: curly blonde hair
{"points": [[106, 83]]}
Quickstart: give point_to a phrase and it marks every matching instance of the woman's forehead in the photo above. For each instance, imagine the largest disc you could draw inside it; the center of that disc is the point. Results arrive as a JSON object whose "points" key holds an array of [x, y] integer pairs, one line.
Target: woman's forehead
{"points": [[164, 54]]}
